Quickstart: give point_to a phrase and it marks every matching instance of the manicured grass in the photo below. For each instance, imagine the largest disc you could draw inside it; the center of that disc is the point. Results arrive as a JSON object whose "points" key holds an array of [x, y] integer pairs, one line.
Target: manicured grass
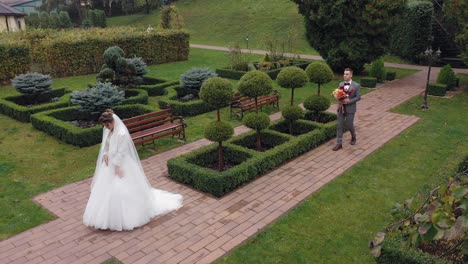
{"points": [[32, 162], [224, 22], [335, 224]]}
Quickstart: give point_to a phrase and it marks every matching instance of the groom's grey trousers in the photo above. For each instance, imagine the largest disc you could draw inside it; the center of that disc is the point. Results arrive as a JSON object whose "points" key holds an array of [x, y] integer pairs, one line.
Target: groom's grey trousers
{"points": [[349, 119]]}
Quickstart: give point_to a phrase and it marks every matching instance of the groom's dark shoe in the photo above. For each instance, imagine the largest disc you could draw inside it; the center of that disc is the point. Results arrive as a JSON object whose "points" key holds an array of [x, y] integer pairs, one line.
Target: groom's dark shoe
{"points": [[337, 147], [353, 141]]}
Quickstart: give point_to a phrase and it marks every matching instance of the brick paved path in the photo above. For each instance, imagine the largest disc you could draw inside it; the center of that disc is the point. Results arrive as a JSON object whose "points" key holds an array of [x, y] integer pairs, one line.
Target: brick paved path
{"points": [[207, 228]]}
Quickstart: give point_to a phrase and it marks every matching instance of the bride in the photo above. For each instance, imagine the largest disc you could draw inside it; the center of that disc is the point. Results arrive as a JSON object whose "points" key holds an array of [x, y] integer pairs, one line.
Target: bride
{"points": [[121, 196]]}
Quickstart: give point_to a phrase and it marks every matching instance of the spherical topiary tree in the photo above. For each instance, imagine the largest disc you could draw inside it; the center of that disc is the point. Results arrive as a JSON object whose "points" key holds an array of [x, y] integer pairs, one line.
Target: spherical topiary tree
{"points": [[447, 76], [217, 92], [319, 73], [316, 104], [292, 77], [257, 121], [32, 84], [96, 99], [255, 84], [292, 113]]}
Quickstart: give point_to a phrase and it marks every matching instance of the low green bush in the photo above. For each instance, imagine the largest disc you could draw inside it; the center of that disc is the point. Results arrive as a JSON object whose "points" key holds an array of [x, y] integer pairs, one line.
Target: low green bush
{"points": [[155, 86], [321, 117], [191, 108], [370, 82], [236, 75], [57, 123], [447, 76], [249, 164], [136, 96], [377, 70], [16, 106], [391, 75], [437, 89]]}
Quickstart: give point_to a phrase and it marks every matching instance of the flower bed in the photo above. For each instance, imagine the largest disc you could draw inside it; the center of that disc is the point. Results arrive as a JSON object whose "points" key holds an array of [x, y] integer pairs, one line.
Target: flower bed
{"points": [[192, 168], [57, 123], [16, 106]]}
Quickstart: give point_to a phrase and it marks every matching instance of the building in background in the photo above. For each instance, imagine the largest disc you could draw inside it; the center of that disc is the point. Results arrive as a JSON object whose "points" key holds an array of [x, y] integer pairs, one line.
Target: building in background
{"points": [[25, 6], [11, 19]]}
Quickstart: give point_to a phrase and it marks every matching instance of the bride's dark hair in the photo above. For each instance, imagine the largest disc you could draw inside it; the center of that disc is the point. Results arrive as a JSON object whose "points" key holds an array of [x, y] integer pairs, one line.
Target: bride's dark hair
{"points": [[106, 117]]}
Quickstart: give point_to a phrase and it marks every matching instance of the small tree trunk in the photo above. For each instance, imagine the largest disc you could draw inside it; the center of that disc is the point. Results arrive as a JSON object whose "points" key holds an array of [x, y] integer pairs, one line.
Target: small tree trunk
{"points": [[219, 116], [220, 156], [318, 92], [256, 105], [292, 96], [259, 141]]}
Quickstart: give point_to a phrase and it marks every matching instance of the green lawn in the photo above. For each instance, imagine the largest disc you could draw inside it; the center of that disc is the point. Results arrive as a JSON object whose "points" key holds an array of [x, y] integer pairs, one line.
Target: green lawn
{"points": [[32, 162], [234, 20], [335, 224]]}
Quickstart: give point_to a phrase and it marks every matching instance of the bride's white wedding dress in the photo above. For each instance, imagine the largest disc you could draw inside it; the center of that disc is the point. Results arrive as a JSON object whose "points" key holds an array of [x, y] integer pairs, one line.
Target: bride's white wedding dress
{"points": [[125, 201]]}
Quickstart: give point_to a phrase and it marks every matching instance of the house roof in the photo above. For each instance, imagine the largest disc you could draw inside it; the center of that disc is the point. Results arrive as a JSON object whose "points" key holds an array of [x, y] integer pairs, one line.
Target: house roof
{"points": [[16, 2], [5, 10]]}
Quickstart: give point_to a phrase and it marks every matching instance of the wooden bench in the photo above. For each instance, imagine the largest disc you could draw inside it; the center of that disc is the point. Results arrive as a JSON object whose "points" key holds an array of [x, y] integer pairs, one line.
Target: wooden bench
{"points": [[241, 104], [151, 126]]}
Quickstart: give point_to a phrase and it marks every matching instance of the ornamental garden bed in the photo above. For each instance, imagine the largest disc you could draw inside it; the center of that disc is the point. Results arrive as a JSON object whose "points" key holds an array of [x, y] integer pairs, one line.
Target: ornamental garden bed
{"points": [[194, 169], [155, 86], [61, 123], [21, 107], [273, 73], [188, 108], [321, 117]]}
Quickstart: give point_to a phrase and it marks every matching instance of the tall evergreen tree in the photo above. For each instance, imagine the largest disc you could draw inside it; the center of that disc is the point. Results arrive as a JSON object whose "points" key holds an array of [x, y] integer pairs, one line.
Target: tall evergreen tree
{"points": [[348, 33]]}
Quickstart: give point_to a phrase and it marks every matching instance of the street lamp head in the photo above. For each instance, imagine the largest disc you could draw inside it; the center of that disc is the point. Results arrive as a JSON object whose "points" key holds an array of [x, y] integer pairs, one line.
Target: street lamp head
{"points": [[438, 52]]}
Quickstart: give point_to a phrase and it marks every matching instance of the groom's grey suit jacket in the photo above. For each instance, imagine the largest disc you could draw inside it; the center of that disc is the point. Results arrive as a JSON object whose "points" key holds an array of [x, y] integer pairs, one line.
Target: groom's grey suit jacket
{"points": [[355, 96]]}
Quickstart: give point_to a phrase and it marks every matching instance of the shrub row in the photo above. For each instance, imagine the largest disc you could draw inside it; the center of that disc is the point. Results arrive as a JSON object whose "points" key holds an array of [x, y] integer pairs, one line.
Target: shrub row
{"points": [[14, 106], [79, 51], [191, 168], [57, 123], [136, 96], [369, 82], [437, 89], [158, 87], [191, 108], [236, 75], [15, 59]]}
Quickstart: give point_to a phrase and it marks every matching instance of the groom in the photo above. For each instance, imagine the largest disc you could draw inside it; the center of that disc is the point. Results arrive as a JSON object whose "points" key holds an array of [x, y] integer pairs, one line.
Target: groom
{"points": [[346, 113]]}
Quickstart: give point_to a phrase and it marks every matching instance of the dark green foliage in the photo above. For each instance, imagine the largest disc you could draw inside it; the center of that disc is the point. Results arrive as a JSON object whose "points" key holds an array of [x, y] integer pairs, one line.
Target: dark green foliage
{"points": [[255, 84], [292, 77], [319, 73], [54, 21], [17, 106], [219, 131], [33, 20], [316, 103], [32, 84], [256, 121], [111, 55], [391, 75], [156, 87], [64, 20], [191, 108], [124, 72], [140, 65], [135, 96], [217, 92], [57, 123], [96, 18], [348, 34], [44, 20], [377, 70], [447, 76], [266, 58], [292, 113], [96, 99], [270, 139], [194, 78], [412, 32], [191, 168], [369, 82], [15, 59], [437, 89], [321, 117], [237, 74]]}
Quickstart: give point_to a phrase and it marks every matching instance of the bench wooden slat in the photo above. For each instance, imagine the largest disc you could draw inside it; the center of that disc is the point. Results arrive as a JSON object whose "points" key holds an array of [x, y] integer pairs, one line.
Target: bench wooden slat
{"points": [[240, 104]]}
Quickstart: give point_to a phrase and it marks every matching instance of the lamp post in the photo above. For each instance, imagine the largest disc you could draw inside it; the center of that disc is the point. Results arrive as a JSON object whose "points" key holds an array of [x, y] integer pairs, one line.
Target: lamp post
{"points": [[430, 56]]}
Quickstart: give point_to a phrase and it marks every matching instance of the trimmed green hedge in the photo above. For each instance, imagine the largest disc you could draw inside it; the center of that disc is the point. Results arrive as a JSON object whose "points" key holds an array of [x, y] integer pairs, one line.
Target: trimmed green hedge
{"points": [[136, 96], [191, 108], [322, 117], [236, 75], [437, 89], [391, 75], [393, 252], [57, 123], [15, 59], [191, 168], [155, 86], [369, 82], [14, 106]]}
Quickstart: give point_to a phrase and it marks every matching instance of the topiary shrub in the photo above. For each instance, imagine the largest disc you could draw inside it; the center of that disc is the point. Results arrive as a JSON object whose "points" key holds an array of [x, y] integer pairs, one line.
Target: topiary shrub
{"points": [[96, 99], [319, 73], [292, 113], [437, 89], [377, 70], [447, 76], [316, 104], [258, 122], [33, 85], [391, 75], [369, 82], [255, 84], [194, 78], [292, 77]]}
